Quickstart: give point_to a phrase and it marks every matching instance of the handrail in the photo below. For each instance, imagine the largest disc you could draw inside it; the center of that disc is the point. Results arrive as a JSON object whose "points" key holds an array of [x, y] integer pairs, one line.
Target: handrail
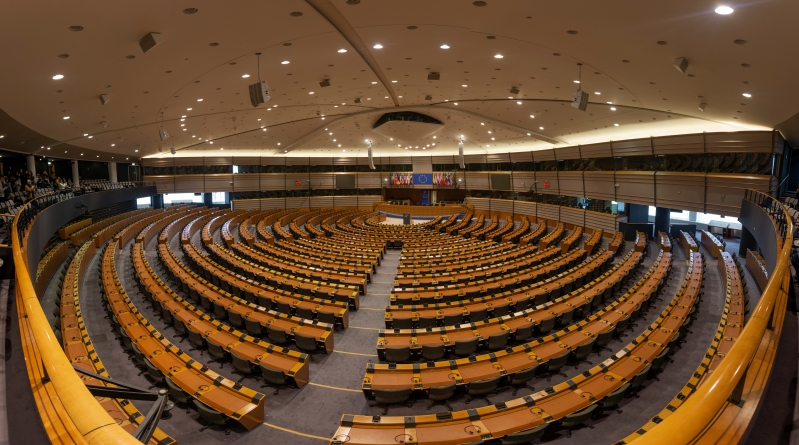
{"points": [[694, 417], [89, 417]]}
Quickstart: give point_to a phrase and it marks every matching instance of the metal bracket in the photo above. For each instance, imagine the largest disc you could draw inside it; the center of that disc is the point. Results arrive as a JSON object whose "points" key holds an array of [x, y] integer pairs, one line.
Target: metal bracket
{"points": [[147, 427]]}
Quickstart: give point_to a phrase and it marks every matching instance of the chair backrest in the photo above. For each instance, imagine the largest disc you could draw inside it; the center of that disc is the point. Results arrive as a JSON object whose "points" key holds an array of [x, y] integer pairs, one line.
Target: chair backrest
{"points": [[195, 338], [524, 332], [402, 323], [176, 392], [433, 352], [640, 377], [499, 311], [427, 322], [215, 350], [583, 350], [276, 335], [546, 325], [452, 319], [271, 375], [398, 353], [660, 360], [305, 342], [441, 392], [304, 312], [559, 361], [240, 363], [613, 399], [484, 386], [604, 338], [499, 340], [525, 436], [579, 417], [566, 317], [524, 376], [388, 396], [210, 415], [463, 347]]}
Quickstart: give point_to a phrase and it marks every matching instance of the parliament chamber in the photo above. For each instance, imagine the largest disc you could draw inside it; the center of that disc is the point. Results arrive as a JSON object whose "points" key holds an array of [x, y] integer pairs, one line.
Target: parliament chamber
{"points": [[433, 223]]}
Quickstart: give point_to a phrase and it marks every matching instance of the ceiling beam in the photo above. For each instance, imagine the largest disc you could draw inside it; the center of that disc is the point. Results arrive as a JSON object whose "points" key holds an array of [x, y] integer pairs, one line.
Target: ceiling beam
{"points": [[329, 11], [312, 134]]}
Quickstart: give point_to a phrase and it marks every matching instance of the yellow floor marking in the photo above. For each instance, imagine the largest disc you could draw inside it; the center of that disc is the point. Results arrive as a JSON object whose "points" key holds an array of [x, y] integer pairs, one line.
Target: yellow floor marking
{"points": [[361, 327], [334, 387], [326, 439], [355, 353], [371, 309]]}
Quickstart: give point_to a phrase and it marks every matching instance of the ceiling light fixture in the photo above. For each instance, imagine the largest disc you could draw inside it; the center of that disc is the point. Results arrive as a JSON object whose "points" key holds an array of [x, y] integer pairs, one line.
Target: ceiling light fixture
{"points": [[342, 51], [378, 46], [724, 10], [615, 125], [518, 102], [245, 76], [747, 95], [576, 81], [540, 128], [58, 77], [597, 93], [612, 108], [199, 100], [610, 103], [310, 92], [498, 56], [532, 116], [285, 62], [464, 86], [444, 46], [66, 117], [188, 109], [393, 81]]}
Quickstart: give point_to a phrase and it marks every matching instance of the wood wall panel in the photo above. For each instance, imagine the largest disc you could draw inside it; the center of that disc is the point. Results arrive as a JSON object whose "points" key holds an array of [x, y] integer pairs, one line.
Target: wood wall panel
{"points": [[157, 162], [187, 161], [739, 142], [522, 181], [346, 201], [479, 203], [164, 184], [303, 202], [246, 182], [521, 156], [476, 180], [246, 160], [322, 181], [680, 191], [322, 201], [632, 147], [635, 187], [591, 151], [291, 179], [724, 192], [602, 221], [525, 208], [552, 178], [273, 181], [494, 158], [680, 144], [544, 155], [370, 180], [548, 211], [599, 185], [189, 184], [504, 206], [572, 216], [217, 160], [218, 183], [565, 153], [368, 200], [571, 183], [475, 159]]}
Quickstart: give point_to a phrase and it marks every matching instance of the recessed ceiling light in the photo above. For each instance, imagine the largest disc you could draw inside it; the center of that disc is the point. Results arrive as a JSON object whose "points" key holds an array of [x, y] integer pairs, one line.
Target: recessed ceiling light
{"points": [[615, 125], [455, 103], [199, 100], [444, 46], [185, 129], [2, 136], [373, 83], [464, 86], [66, 117], [245, 75], [113, 145], [85, 134], [482, 123], [221, 148], [182, 125], [278, 143], [597, 93], [183, 116], [576, 81], [724, 10], [285, 62], [612, 108], [489, 131], [58, 77], [540, 128], [492, 139], [610, 103], [91, 137], [498, 56], [342, 50], [528, 134], [518, 102], [393, 81], [310, 92], [188, 109], [135, 151], [532, 116], [378, 46], [747, 95]]}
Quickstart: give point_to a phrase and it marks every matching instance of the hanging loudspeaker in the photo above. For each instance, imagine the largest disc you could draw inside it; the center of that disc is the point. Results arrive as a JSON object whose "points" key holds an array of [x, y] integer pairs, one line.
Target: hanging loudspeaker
{"points": [[371, 161], [460, 154]]}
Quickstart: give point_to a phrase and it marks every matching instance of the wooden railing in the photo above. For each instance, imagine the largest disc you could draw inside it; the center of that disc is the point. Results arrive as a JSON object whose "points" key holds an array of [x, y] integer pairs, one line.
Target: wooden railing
{"points": [[53, 380], [722, 407]]}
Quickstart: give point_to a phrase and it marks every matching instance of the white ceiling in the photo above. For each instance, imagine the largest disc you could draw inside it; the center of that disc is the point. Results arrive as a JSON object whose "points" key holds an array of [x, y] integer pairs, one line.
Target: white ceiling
{"points": [[540, 58]]}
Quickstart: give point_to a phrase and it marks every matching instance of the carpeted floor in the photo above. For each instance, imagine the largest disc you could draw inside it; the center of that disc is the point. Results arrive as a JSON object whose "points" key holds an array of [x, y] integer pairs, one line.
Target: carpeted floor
{"points": [[311, 414]]}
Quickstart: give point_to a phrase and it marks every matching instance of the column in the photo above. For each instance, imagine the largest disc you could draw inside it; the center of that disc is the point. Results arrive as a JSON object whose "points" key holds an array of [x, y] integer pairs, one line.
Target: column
{"points": [[112, 172], [748, 241], [638, 213], [662, 219], [75, 174], [31, 164]]}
